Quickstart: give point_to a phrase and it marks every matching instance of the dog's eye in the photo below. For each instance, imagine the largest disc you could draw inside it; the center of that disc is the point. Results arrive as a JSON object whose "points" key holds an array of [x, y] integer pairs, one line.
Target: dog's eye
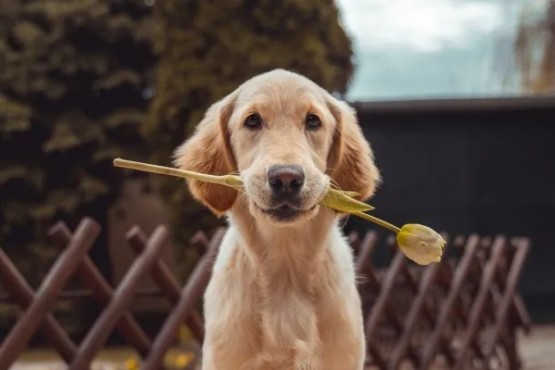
{"points": [[253, 121], [312, 121]]}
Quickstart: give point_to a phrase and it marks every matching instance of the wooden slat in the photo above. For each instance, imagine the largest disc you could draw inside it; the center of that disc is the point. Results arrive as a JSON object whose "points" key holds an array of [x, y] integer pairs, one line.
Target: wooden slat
{"points": [[505, 304], [476, 312], [191, 293], [99, 333], [62, 270], [51, 330], [102, 292], [162, 275], [449, 307], [448, 303]]}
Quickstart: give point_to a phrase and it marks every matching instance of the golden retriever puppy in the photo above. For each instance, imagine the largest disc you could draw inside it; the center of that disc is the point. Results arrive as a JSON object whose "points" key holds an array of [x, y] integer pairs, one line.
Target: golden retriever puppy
{"points": [[282, 293]]}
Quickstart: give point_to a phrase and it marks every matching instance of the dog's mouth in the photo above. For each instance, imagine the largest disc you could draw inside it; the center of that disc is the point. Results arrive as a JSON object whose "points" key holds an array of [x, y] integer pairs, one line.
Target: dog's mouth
{"points": [[286, 212]]}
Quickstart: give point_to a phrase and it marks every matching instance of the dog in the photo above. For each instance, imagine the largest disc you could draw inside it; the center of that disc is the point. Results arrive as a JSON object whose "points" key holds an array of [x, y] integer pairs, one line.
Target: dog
{"points": [[282, 294]]}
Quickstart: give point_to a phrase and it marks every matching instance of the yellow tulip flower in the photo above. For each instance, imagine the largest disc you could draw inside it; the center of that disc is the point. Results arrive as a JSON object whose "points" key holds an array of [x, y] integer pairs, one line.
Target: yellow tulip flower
{"points": [[418, 242]]}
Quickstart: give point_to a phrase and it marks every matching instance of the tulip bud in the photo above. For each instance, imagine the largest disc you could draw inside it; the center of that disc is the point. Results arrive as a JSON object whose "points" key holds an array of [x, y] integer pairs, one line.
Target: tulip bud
{"points": [[420, 243]]}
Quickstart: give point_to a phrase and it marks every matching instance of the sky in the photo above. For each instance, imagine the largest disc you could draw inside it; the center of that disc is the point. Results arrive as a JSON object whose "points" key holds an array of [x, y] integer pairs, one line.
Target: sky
{"points": [[414, 49]]}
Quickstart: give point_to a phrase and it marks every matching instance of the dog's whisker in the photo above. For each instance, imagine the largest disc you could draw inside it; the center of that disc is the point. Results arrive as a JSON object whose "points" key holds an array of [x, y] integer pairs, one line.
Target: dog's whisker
{"points": [[344, 222]]}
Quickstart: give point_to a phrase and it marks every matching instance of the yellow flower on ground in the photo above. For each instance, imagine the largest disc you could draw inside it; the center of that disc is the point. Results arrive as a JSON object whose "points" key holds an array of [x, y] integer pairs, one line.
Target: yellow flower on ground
{"points": [[131, 364], [184, 359], [420, 243], [179, 359]]}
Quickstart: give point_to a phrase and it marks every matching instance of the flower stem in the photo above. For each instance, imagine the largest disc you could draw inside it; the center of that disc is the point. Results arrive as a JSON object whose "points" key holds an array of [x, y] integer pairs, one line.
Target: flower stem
{"points": [[378, 221], [124, 163], [228, 180]]}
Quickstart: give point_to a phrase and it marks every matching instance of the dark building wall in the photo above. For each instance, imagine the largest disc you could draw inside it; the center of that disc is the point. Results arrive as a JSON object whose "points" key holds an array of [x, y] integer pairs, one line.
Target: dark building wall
{"points": [[484, 166]]}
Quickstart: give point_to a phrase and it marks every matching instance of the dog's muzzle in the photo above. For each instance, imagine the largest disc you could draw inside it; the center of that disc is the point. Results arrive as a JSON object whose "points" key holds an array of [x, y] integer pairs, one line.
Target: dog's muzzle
{"points": [[286, 183]]}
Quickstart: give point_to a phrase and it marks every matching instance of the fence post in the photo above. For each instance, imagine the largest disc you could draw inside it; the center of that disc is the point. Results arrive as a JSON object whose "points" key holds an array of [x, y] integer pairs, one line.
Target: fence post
{"points": [[522, 248], [102, 291], [410, 322], [162, 275], [100, 331], [476, 312], [381, 307], [51, 330], [190, 293], [59, 274], [450, 300]]}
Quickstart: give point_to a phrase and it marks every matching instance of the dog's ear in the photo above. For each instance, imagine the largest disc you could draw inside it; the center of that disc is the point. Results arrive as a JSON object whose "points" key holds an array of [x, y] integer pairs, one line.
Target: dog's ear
{"points": [[209, 151], [351, 160]]}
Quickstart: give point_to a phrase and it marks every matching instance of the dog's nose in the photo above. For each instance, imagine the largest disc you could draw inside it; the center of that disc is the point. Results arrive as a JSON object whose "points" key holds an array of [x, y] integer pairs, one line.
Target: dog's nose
{"points": [[286, 179]]}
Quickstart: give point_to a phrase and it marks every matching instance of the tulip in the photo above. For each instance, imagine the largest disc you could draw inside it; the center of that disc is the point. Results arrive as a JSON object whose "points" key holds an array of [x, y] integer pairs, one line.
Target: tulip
{"points": [[418, 242]]}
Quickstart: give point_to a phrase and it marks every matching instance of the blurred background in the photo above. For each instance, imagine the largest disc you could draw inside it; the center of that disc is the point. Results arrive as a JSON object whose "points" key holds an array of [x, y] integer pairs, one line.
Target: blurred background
{"points": [[457, 98]]}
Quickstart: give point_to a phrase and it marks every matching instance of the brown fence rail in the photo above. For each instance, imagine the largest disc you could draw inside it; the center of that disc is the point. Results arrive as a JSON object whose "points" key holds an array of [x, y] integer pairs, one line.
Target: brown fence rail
{"points": [[462, 313]]}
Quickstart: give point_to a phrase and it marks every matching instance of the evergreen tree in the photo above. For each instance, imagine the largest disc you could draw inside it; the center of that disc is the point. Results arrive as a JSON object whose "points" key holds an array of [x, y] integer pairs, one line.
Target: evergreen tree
{"points": [[207, 48], [73, 94]]}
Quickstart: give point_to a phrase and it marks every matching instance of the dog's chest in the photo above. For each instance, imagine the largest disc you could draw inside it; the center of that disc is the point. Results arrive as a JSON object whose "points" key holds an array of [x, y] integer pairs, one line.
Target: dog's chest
{"points": [[279, 315]]}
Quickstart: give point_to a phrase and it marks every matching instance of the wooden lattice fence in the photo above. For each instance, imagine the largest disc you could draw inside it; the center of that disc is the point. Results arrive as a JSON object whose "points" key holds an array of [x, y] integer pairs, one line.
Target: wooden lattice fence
{"points": [[462, 313]]}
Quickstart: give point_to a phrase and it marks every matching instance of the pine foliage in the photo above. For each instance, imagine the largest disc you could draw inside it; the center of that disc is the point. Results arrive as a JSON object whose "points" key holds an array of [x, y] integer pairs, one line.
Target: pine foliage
{"points": [[208, 48], [72, 97]]}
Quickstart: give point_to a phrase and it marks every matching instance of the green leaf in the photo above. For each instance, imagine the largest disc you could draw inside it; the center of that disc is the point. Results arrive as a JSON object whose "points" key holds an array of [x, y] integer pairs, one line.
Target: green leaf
{"points": [[11, 173], [14, 116], [125, 116], [15, 212], [92, 188], [107, 153], [117, 78], [33, 176], [27, 33], [60, 200], [72, 130], [341, 201]]}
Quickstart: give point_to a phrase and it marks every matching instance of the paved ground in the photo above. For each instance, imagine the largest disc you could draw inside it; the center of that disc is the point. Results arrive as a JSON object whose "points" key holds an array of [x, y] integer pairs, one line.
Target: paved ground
{"points": [[113, 359], [537, 351]]}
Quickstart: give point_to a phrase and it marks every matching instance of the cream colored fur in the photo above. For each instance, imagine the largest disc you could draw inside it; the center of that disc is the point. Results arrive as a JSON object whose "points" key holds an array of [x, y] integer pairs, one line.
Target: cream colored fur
{"points": [[282, 294]]}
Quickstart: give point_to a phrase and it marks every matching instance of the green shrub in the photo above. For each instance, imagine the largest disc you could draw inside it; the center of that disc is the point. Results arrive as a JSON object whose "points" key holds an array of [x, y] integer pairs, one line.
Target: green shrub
{"points": [[208, 48]]}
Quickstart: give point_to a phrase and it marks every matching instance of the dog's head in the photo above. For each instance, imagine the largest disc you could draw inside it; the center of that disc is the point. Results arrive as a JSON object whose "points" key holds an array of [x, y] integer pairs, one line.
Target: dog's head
{"points": [[287, 138]]}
